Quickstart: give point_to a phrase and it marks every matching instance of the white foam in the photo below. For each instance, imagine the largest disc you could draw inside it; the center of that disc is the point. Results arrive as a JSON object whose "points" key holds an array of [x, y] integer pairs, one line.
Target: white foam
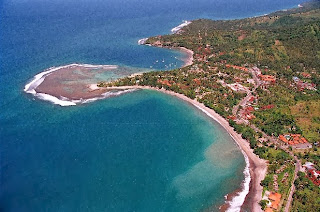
{"points": [[39, 78], [63, 101], [238, 200], [98, 66], [142, 41], [104, 96], [54, 99], [178, 28]]}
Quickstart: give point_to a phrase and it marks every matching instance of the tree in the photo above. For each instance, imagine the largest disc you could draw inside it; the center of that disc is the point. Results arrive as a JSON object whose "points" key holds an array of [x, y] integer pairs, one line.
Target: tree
{"points": [[263, 204]]}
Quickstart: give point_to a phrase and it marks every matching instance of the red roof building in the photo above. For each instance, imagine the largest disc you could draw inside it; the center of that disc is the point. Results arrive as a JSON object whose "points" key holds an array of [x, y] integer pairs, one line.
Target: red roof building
{"points": [[293, 139], [267, 107], [267, 78], [275, 199]]}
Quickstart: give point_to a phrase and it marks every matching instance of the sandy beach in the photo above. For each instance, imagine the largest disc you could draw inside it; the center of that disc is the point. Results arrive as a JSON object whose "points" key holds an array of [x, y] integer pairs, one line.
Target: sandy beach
{"points": [[258, 167], [188, 59]]}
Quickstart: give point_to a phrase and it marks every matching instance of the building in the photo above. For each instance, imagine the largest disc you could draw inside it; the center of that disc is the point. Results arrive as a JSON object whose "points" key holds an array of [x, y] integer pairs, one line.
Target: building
{"points": [[267, 107], [274, 201], [312, 173], [237, 67], [295, 140], [165, 82], [267, 78], [246, 113], [306, 75], [303, 85], [237, 87]]}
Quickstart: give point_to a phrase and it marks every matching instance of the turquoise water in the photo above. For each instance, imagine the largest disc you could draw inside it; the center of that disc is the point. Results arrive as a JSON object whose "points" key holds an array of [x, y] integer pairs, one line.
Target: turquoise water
{"points": [[142, 151]]}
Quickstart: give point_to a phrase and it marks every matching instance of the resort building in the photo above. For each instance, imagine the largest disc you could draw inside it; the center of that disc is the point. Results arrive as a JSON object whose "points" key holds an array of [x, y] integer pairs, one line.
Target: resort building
{"points": [[274, 201], [295, 140]]}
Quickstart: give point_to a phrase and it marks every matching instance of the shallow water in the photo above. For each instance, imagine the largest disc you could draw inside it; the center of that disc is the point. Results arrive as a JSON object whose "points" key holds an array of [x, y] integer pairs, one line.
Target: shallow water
{"points": [[142, 151]]}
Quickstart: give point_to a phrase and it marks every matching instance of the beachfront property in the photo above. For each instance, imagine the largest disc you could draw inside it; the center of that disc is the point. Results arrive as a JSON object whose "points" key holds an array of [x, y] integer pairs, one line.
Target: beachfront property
{"points": [[273, 199], [295, 140]]}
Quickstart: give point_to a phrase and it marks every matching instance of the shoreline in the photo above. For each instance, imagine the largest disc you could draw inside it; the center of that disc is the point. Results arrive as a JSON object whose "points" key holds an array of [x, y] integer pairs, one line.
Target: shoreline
{"points": [[188, 60], [256, 166]]}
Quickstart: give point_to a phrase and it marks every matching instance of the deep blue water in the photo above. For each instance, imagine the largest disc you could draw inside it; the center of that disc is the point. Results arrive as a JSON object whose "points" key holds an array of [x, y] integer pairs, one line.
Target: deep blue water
{"points": [[143, 151]]}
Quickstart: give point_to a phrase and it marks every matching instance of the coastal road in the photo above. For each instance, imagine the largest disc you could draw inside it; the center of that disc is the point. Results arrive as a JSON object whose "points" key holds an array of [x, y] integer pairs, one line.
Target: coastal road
{"points": [[244, 101], [298, 168]]}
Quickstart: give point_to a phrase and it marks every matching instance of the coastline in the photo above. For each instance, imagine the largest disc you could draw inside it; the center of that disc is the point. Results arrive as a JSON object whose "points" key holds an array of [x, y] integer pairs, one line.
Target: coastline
{"points": [[250, 193], [256, 166], [188, 59]]}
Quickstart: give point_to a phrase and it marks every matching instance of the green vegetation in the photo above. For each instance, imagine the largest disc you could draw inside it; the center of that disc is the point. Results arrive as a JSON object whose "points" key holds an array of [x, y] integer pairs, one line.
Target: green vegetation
{"points": [[307, 195], [263, 204], [284, 45]]}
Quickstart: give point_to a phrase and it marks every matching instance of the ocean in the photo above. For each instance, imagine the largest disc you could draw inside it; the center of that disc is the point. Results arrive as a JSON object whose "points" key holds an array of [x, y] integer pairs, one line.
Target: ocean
{"points": [[141, 151]]}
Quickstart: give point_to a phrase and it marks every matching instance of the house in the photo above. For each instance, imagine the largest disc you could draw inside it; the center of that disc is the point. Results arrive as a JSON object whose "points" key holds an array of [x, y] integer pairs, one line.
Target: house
{"points": [[197, 81], [246, 113], [252, 98], [268, 210], [165, 82], [275, 199], [312, 173], [306, 75], [267, 78], [267, 107]]}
